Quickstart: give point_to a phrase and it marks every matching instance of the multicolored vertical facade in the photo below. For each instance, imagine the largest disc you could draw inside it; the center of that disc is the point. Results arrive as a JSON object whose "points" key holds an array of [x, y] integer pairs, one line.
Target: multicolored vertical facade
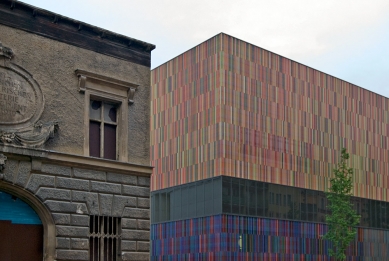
{"points": [[229, 108]]}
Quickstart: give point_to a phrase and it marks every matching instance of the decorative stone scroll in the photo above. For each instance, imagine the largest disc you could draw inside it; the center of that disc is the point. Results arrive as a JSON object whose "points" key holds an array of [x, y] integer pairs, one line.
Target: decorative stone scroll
{"points": [[31, 137], [3, 159], [6, 52]]}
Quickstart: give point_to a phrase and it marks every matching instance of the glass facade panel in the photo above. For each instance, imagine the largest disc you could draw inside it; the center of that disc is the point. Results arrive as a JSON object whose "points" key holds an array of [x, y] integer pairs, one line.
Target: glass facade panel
{"points": [[153, 210], [365, 214], [175, 199], [217, 196], [312, 198], [227, 195], [322, 207], [303, 205], [157, 212], [235, 196], [275, 199], [296, 198], [373, 216], [253, 198], [192, 201], [208, 197], [260, 199], [200, 199], [386, 220], [242, 197], [184, 202], [163, 198]]}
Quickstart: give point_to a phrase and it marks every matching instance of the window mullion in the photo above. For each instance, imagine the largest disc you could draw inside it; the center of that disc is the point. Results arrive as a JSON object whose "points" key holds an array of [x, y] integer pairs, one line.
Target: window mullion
{"points": [[102, 131]]}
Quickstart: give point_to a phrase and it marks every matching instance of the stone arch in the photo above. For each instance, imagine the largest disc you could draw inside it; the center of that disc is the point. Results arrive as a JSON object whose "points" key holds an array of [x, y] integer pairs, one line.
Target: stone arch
{"points": [[43, 213]]}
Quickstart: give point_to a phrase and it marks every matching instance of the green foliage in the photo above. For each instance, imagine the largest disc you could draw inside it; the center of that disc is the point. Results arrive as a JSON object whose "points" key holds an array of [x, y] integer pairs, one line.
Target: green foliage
{"points": [[343, 218]]}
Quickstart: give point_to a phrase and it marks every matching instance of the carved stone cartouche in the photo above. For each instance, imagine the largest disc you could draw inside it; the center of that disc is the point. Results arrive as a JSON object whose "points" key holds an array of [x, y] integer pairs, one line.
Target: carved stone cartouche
{"points": [[32, 137], [21, 105]]}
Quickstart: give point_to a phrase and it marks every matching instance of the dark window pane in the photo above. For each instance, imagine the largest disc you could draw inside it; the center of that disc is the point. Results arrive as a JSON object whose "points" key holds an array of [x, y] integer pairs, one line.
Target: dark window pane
{"points": [[94, 139], [275, 199], [379, 213], [386, 220], [95, 110], [365, 214], [156, 208], [242, 197], [110, 141], [252, 198], [226, 195], [152, 208], [208, 201], [184, 202], [200, 199], [289, 205], [192, 201], [322, 208], [162, 206], [235, 196], [260, 199], [303, 205], [177, 204], [373, 216], [266, 199], [383, 214], [217, 196], [312, 205], [168, 194], [296, 204]]}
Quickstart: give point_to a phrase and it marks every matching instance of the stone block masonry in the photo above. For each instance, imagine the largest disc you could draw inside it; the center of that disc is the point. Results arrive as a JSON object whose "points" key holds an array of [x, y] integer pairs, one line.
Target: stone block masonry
{"points": [[72, 194]]}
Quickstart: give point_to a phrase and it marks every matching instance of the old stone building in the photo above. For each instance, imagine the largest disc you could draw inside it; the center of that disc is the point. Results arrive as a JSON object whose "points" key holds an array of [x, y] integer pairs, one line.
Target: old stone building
{"points": [[74, 139]]}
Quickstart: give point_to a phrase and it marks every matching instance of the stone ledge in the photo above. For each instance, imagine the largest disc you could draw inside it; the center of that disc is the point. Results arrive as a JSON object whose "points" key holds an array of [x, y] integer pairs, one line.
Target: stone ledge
{"points": [[78, 161], [134, 256]]}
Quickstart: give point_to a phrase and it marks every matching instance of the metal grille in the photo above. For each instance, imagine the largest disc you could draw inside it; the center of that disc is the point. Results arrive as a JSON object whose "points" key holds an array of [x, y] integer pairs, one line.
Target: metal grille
{"points": [[104, 238]]}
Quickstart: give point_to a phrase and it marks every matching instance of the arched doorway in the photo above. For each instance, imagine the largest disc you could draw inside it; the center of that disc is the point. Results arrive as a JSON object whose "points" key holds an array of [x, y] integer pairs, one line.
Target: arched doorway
{"points": [[45, 241], [21, 236]]}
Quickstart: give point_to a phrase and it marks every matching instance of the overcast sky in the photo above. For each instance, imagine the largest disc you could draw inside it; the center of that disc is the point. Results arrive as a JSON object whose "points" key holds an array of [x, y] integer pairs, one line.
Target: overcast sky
{"points": [[348, 39]]}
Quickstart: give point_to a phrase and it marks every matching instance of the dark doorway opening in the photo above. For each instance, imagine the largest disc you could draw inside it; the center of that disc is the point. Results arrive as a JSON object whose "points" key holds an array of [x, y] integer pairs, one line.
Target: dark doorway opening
{"points": [[21, 231]]}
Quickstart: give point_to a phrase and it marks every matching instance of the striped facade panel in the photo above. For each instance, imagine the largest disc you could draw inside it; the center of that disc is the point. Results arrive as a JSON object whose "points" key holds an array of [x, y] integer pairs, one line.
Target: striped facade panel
{"points": [[186, 135], [285, 123], [226, 237], [227, 107]]}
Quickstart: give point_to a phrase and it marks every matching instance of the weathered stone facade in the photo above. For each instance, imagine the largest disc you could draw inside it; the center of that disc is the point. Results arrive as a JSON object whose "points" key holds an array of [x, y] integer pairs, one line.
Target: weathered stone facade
{"points": [[71, 194], [51, 69]]}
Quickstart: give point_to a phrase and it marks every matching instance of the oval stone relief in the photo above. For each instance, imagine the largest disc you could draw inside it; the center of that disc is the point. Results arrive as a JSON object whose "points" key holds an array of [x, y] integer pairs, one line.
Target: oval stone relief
{"points": [[21, 99]]}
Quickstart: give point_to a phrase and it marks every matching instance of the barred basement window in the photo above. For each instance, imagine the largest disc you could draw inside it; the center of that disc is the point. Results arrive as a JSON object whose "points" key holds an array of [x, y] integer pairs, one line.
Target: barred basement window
{"points": [[104, 238]]}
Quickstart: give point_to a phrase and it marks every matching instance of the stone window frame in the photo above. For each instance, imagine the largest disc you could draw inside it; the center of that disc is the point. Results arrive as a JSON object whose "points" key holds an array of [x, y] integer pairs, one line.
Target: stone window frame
{"points": [[107, 89]]}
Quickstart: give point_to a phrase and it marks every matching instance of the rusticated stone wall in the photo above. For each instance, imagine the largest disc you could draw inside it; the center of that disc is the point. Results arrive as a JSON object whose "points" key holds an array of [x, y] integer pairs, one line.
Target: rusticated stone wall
{"points": [[72, 194]]}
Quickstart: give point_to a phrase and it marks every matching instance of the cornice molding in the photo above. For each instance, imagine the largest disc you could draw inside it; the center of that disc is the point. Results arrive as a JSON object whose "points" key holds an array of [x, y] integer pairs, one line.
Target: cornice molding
{"points": [[54, 26], [76, 160]]}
